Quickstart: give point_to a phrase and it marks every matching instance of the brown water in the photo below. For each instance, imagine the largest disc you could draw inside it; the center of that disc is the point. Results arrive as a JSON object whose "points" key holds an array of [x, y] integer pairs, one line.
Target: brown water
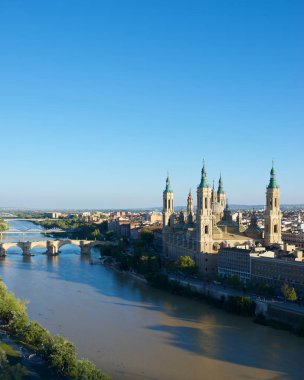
{"points": [[135, 332]]}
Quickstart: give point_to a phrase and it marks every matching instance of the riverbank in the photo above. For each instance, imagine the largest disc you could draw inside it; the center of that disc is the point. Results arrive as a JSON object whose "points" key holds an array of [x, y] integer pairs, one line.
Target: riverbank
{"points": [[56, 354], [18, 360], [229, 300]]}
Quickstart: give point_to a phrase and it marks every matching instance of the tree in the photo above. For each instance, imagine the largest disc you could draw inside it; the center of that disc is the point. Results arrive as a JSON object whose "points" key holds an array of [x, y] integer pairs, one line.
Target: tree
{"points": [[3, 225], [36, 335], [292, 295], [289, 292], [147, 237], [235, 281], [86, 370], [61, 354], [240, 305], [147, 264], [96, 233], [185, 264]]}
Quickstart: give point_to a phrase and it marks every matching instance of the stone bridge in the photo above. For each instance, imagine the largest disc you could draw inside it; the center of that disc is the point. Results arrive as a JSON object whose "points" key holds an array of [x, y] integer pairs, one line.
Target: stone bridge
{"points": [[52, 247]]}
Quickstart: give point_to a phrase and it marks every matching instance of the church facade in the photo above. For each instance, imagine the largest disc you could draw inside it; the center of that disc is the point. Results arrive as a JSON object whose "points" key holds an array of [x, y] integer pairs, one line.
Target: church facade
{"points": [[201, 233]]}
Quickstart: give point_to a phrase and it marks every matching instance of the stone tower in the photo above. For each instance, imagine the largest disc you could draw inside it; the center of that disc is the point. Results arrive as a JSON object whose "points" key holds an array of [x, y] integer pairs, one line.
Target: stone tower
{"points": [[272, 214], [190, 208], [221, 195], [168, 207], [204, 215]]}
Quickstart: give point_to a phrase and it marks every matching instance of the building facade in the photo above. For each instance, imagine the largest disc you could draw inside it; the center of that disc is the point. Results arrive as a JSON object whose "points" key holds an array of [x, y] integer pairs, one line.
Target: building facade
{"points": [[200, 234], [234, 262], [276, 272], [296, 239], [261, 268]]}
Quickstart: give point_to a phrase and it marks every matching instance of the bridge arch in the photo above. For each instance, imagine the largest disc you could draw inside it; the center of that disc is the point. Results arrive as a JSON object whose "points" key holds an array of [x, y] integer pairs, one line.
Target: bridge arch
{"points": [[39, 247], [68, 245], [38, 244], [15, 249]]}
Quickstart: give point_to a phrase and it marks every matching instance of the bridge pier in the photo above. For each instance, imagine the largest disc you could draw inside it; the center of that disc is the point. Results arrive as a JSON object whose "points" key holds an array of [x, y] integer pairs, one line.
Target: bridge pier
{"points": [[2, 251], [26, 248], [85, 247], [51, 248]]}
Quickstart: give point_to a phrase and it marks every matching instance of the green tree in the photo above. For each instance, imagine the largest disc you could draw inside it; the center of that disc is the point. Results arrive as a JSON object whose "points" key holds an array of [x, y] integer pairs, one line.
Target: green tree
{"points": [[292, 295], [289, 292], [3, 225], [61, 354], [185, 264], [36, 335], [86, 370], [96, 233], [10, 306]]}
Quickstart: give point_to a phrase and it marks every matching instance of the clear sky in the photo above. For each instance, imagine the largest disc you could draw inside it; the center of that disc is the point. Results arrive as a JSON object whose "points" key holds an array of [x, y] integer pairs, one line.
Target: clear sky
{"points": [[98, 99]]}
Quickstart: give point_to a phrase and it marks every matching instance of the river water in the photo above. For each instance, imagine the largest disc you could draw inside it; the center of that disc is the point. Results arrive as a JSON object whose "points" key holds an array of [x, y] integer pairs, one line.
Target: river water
{"points": [[134, 332]]}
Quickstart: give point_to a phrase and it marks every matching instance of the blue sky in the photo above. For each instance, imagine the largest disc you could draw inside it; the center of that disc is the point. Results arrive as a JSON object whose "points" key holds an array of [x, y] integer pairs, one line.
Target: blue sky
{"points": [[98, 99]]}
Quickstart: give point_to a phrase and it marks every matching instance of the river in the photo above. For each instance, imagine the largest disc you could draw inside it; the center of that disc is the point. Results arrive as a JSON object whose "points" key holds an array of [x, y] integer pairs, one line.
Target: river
{"points": [[134, 332]]}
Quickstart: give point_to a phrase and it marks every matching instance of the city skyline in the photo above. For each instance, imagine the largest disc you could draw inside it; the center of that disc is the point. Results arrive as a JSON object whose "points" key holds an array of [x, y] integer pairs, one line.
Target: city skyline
{"points": [[98, 101]]}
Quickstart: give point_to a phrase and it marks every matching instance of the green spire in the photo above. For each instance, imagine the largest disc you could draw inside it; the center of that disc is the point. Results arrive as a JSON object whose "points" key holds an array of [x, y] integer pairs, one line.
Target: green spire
{"points": [[204, 182], [227, 205], [273, 180], [168, 185], [220, 189]]}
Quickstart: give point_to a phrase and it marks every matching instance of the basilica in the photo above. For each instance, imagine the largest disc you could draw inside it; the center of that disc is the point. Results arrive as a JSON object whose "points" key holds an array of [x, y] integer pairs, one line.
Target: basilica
{"points": [[202, 233]]}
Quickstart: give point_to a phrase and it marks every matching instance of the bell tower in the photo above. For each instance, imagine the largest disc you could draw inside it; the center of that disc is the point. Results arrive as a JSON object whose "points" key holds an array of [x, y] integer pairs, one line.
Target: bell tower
{"points": [[221, 195], [272, 213], [168, 207], [190, 208], [204, 214]]}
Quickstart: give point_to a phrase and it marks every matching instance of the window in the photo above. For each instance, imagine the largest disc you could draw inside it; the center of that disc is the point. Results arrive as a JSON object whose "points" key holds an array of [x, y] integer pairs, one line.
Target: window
{"points": [[275, 202], [206, 203], [206, 230], [275, 228]]}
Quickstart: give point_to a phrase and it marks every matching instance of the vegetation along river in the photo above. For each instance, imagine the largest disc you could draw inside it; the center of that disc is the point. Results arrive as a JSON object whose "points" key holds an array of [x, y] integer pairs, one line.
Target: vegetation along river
{"points": [[132, 331]]}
